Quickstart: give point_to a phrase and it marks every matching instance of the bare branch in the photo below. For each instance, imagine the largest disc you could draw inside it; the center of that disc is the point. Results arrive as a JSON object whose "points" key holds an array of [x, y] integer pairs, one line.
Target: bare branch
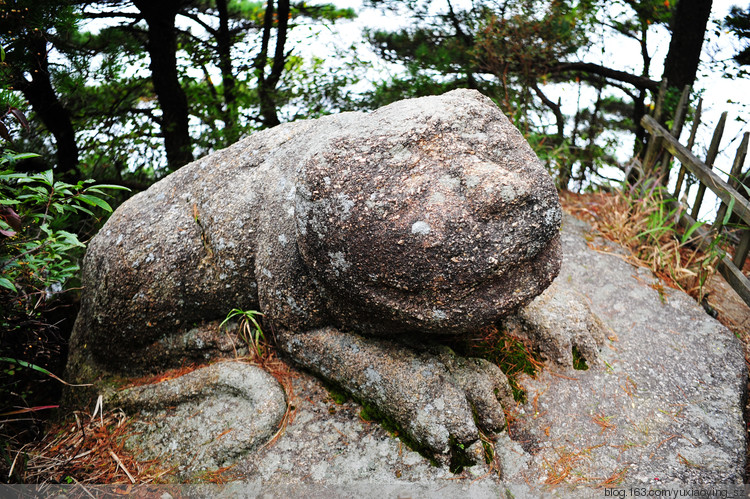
{"points": [[639, 82]]}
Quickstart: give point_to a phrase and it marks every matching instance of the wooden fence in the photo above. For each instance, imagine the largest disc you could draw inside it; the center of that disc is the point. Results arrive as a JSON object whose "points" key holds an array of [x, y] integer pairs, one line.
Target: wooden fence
{"points": [[663, 146]]}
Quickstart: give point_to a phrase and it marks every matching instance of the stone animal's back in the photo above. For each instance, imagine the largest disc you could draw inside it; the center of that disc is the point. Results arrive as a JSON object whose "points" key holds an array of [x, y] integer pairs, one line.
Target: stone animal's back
{"points": [[427, 216]]}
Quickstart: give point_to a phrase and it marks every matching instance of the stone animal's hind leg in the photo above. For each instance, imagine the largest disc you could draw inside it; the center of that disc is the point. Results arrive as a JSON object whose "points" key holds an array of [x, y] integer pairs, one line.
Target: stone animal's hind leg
{"points": [[437, 399], [559, 321]]}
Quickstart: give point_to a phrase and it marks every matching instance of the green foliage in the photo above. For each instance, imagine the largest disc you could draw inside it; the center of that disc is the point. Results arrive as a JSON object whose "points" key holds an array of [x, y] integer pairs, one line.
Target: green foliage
{"points": [[38, 256], [579, 362], [322, 12], [522, 43], [497, 345], [738, 22], [41, 223], [525, 54], [23, 22], [103, 80], [249, 329], [311, 89], [414, 82], [513, 357]]}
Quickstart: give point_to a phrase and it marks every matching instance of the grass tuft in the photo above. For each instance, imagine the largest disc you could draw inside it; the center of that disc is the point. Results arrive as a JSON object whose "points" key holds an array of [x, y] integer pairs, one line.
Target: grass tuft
{"points": [[508, 352], [644, 225]]}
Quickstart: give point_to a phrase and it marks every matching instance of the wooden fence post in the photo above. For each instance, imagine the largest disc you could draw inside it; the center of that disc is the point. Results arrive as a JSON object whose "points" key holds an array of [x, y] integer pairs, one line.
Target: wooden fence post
{"points": [[653, 149], [730, 269], [734, 174], [675, 131], [713, 151], [691, 142]]}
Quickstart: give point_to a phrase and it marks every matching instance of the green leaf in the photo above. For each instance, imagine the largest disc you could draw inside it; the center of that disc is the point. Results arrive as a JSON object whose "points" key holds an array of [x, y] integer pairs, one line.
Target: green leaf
{"points": [[35, 367], [95, 201], [108, 186], [85, 210], [691, 229], [7, 284], [25, 155], [62, 187], [47, 178], [70, 238], [728, 214], [81, 208]]}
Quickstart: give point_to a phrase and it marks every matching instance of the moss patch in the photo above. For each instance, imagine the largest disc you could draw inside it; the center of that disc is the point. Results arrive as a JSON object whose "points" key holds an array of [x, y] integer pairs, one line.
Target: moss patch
{"points": [[579, 363], [460, 458], [337, 394], [509, 353]]}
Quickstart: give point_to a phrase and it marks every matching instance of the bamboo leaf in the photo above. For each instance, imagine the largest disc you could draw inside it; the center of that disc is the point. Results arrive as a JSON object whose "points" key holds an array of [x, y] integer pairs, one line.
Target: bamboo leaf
{"points": [[35, 367], [95, 201], [107, 186], [729, 212], [25, 155]]}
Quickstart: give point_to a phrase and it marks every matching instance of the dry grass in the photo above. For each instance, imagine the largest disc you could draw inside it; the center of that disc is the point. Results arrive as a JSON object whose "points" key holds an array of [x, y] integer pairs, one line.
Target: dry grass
{"points": [[614, 480], [648, 230], [563, 469], [88, 450], [605, 422]]}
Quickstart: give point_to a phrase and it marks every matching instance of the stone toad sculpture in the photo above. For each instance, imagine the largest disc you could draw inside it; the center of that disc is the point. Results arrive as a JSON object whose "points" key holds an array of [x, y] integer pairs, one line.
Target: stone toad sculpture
{"points": [[356, 235]]}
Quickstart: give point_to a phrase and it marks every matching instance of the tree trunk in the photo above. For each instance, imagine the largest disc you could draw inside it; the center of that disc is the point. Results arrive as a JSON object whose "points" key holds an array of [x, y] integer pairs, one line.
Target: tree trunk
{"points": [[162, 48], [639, 103], [688, 26], [267, 84], [47, 106], [224, 48]]}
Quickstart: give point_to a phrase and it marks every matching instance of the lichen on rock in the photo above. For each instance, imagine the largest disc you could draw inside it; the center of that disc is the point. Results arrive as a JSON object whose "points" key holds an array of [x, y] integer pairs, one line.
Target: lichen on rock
{"points": [[205, 419], [427, 218]]}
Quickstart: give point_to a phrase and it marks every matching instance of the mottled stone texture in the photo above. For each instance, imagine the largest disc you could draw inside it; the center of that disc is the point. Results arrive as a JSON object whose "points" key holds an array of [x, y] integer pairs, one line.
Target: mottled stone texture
{"points": [[428, 216], [204, 419], [662, 410], [436, 397]]}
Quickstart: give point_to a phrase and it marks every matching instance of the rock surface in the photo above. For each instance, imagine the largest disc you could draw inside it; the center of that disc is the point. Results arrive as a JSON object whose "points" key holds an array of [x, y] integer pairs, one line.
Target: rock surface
{"points": [[429, 216], [661, 410], [205, 419], [667, 404]]}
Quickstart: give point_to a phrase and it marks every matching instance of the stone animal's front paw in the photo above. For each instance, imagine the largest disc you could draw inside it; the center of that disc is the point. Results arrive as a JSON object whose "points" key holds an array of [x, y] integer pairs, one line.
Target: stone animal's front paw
{"points": [[558, 323], [439, 401], [484, 385]]}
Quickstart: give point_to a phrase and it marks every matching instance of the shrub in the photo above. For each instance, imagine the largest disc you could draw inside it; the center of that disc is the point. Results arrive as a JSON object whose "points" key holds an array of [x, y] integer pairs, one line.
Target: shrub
{"points": [[42, 222]]}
